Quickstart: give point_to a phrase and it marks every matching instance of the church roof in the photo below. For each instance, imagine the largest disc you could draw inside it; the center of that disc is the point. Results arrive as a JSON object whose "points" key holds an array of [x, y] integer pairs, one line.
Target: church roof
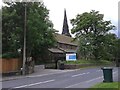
{"points": [[55, 50], [61, 50], [65, 39], [68, 50]]}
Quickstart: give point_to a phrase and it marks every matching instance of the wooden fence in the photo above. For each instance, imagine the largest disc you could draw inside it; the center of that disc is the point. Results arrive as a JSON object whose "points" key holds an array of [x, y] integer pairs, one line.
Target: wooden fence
{"points": [[10, 65]]}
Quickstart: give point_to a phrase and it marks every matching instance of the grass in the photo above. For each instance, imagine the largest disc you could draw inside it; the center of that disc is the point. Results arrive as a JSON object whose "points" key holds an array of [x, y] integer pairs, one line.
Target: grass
{"points": [[106, 86], [101, 62]]}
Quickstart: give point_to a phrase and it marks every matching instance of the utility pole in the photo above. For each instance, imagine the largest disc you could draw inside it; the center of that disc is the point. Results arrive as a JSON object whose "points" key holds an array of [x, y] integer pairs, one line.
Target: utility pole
{"points": [[24, 46]]}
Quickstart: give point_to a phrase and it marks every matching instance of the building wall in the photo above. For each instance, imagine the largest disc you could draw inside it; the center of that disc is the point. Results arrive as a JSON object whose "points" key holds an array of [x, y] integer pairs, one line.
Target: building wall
{"points": [[54, 56]]}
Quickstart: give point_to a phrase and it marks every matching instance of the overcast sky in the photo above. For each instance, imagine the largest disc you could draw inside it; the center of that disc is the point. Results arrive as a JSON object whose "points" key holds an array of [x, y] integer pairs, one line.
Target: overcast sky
{"points": [[73, 7]]}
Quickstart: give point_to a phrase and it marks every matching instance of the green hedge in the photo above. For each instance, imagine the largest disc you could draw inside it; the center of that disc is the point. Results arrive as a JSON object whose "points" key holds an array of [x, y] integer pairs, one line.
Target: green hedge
{"points": [[10, 55]]}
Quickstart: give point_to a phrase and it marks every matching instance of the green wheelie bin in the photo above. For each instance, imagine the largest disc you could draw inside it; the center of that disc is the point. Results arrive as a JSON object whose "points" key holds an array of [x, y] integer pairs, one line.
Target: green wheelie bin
{"points": [[107, 74]]}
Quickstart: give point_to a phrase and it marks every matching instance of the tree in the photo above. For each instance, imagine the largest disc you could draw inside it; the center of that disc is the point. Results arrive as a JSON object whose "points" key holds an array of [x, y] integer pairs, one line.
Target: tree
{"points": [[91, 30], [39, 28], [117, 52], [109, 47]]}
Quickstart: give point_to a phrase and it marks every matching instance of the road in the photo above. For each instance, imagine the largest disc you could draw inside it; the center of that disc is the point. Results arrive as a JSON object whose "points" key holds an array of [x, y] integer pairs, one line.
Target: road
{"points": [[83, 78]]}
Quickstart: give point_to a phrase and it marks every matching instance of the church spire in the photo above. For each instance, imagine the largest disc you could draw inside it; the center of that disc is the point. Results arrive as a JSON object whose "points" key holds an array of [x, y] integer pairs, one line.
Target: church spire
{"points": [[65, 29]]}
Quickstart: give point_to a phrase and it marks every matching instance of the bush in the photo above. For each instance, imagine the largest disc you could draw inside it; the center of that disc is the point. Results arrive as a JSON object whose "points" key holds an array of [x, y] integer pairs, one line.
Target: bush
{"points": [[10, 55]]}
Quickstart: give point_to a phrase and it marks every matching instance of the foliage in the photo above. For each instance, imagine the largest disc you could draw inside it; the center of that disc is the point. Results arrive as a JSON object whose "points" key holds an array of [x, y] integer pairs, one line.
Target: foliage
{"points": [[39, 28], [93, 35], [118, 48], [101, 62], [10, 55]]}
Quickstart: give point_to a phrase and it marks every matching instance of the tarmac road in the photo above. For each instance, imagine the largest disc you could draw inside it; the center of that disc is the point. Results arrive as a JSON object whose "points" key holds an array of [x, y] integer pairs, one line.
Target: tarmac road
{"points": [[82, 78]]}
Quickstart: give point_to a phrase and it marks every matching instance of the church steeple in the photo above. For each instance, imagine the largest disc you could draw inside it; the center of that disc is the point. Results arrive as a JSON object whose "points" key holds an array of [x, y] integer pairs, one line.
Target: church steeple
{"points": [[65, 29]]}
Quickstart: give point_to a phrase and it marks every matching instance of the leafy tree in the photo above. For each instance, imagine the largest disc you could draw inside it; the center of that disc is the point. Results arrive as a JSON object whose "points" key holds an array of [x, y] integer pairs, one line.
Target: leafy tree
{"points": [[91, 30], [117, 52], [109, 46], [39, 28]]}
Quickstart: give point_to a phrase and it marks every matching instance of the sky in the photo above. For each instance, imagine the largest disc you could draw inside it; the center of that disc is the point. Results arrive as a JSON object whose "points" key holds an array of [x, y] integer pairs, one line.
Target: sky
{"points": [[73, 7]]}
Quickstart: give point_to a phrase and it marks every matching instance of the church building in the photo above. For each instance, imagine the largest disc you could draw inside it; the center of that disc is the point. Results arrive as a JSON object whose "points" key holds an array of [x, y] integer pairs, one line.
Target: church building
{"points": [[65, 43]]}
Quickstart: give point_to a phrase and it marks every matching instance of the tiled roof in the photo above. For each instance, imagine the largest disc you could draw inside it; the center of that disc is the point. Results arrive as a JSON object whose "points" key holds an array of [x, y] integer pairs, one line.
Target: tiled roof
{"points": [[68, 50], [65, 39], [55, 50], [61, 50]]}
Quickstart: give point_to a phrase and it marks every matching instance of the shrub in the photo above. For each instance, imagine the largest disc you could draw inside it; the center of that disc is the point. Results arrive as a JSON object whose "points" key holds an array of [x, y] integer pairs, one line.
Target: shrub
{"points": [[10, 55]]}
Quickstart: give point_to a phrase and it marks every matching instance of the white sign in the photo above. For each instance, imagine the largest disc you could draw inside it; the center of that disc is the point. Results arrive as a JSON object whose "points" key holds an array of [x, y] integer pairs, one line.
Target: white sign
{"points": [[71, 57]]}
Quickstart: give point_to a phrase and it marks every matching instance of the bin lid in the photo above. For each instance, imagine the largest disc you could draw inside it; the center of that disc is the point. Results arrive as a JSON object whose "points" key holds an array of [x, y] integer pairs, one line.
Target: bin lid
{"points": [[107, 68]]}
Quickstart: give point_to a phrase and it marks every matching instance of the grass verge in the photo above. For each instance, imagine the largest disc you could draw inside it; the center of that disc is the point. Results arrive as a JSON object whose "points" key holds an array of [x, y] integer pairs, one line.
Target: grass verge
{"points": [[106, 86], [100, 62]]}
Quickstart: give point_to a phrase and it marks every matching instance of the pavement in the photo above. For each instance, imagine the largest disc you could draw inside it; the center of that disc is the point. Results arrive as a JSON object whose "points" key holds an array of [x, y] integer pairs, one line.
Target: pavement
{"points": [[37, 72]]}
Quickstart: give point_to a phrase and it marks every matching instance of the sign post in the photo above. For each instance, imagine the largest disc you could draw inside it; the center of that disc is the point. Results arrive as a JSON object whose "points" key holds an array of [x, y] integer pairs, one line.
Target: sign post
{"points": [[71, 57]]}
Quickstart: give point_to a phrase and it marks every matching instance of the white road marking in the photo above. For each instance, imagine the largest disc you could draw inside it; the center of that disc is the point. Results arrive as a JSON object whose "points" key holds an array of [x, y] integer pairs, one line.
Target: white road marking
{"points": [[80, 74], [98, 70], [98, 78], [88, 80], [28, 85], [83, 82], [93, 79], [74, 85]]}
